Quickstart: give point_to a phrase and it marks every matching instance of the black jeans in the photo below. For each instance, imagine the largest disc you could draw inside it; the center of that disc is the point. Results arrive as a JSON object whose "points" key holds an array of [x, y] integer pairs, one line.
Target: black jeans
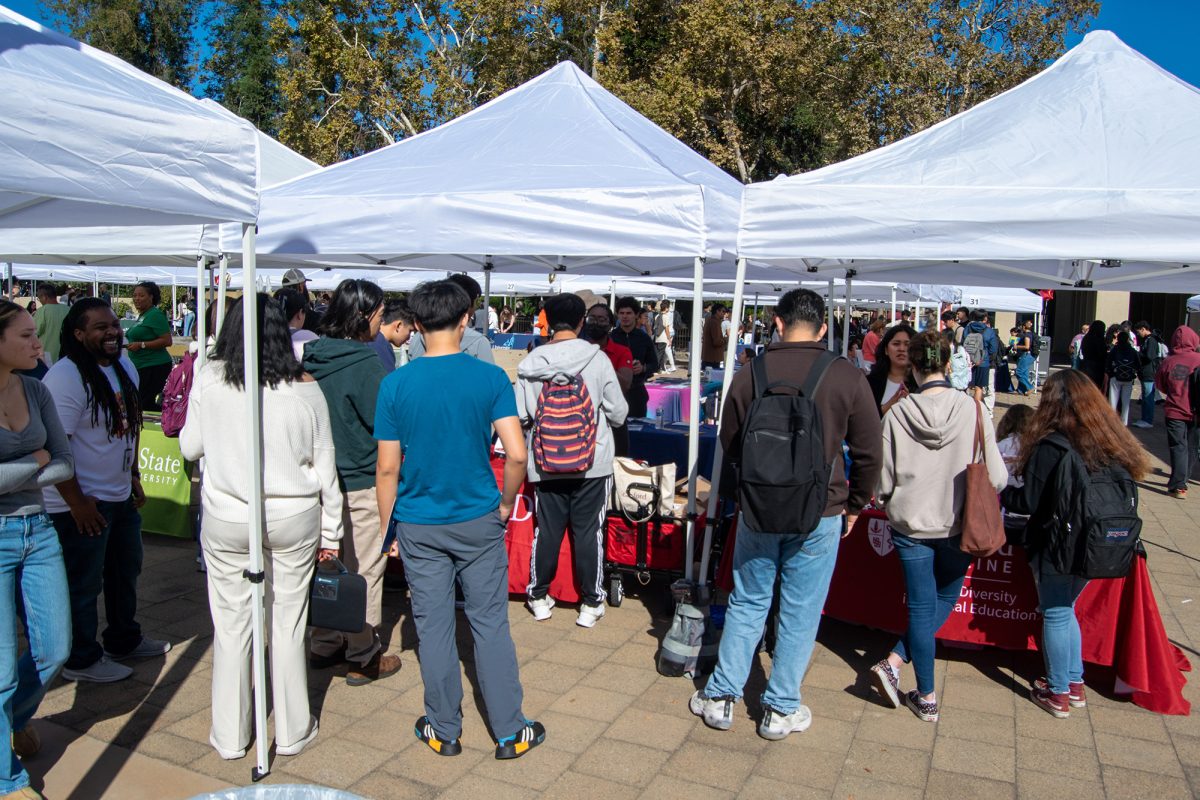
{"points": [[151, 382], [582, 503], [1184, 444], [110, 561]]}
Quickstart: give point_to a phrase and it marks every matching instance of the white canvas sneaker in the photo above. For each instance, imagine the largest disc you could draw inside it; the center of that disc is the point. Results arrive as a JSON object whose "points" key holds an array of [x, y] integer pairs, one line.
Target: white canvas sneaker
{"points": [[103, 671], [541, 607], [776, 726], [589, 615], [717, 712], [146, 648]]}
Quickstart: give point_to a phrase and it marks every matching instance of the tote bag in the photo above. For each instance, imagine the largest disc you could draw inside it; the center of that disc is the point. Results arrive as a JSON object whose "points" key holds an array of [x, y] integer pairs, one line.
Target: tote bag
{"points": [[982, 526]]}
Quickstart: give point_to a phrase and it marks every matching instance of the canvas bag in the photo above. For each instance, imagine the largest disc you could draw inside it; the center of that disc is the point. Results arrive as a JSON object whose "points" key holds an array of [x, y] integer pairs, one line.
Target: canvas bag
{"points": [[982, 526], [641, 491]]}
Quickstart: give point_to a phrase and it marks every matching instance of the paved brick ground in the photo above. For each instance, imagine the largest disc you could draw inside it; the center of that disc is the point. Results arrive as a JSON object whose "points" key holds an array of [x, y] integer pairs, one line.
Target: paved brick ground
{"points": [[617, 729]]}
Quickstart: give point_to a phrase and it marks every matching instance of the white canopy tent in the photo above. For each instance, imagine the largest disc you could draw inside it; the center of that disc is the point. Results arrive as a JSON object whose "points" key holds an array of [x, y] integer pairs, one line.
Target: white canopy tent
{"points": [[1086, 172], [90, 144]]}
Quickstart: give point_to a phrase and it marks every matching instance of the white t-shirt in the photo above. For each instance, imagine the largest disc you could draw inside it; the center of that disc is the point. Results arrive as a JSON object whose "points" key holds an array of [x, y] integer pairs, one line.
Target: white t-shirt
{"points": [[102, 463], [301, 337], [889, 391]]}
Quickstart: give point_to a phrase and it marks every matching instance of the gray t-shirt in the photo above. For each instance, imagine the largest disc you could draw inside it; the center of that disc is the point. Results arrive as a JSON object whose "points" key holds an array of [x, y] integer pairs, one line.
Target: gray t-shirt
{"points": [[474, 344], [21, 480]]}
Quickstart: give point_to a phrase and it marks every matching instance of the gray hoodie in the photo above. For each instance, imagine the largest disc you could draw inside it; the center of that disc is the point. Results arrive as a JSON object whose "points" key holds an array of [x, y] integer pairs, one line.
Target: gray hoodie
{"points": [[570, 358], [927, 443]]}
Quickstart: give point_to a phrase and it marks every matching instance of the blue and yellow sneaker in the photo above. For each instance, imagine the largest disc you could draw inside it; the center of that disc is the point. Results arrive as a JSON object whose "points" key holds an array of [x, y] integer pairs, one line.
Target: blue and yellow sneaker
{"points": [[521, 742], [425, 732]]}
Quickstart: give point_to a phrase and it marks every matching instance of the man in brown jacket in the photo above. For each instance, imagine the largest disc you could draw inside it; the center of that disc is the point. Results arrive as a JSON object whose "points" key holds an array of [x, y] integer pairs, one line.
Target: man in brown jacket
{"points": [[714, 340], [803, 560]]}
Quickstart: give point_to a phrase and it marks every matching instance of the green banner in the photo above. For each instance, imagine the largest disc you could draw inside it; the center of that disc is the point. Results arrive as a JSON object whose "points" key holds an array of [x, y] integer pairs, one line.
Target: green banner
{"points": [[167, 481]]}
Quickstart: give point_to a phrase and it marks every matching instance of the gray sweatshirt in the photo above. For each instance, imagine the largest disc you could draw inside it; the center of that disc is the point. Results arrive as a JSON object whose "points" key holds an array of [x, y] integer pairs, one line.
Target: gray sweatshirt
{"points": [[569, 358], [21, 480], [927, 444]]}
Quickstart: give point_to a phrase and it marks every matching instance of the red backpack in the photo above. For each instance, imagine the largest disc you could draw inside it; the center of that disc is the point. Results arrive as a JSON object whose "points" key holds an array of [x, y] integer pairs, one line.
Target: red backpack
{"points": [[564, 426], [175, 396]]}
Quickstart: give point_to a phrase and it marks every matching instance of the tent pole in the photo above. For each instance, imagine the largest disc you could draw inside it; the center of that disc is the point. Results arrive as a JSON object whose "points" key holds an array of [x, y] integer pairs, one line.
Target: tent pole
{"points": [[893, 319], [829, 313], [174, 304], [201, 314], [612, 294], [917, 315], [255, 573], [222, 288], [846, 314], [487, 293], [714, 484], [694, 411], [9, 277], [95, 284]]}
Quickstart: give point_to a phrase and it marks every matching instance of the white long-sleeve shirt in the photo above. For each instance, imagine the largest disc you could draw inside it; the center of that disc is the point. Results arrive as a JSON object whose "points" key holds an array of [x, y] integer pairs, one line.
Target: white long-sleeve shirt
{"points": [[299, 471]]}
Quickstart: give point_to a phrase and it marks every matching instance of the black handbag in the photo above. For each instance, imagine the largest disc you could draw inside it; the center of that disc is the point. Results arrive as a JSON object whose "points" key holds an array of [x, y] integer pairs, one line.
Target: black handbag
{"points": [[337, 600]]}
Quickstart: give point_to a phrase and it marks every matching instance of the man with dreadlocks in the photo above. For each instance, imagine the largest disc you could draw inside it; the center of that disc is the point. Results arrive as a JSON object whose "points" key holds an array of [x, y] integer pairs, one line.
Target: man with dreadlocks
{"points": [[95, 390]]}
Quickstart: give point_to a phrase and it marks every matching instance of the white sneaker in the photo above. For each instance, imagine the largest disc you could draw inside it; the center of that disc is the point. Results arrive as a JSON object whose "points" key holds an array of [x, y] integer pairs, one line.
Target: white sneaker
{"points": [[295, 749], [776, 726], [146, 648], [541, 607], [717, 712], [589, 615], [1141, 423], [103, 671], [228, 755]]}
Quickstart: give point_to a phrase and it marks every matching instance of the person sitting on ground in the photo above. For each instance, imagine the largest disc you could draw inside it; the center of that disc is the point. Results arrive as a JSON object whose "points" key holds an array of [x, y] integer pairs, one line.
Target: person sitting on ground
{"points": [[295, 309], [450, 518], [147, 345], [891, 378], [95, 393], [302, 521], [347, 369], [645, 362], [577, 492], [803, 560], [34, 453], [49, 318], [597, 329], [929, 438], [1173, 381], [1072, 414], [474, 343], [1149, 360]]}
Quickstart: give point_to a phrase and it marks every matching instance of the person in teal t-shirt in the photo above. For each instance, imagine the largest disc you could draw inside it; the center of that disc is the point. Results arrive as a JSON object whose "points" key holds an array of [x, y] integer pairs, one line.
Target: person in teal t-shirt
{"points": [[148, 343], [434, 420]]}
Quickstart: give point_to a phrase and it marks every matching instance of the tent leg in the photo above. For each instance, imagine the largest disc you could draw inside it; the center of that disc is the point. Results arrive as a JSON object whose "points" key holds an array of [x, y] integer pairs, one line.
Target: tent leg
{"points": [[917, 315], [487, 294], [9, 277], [893, 319], [846, 315], [255, 574], [714, 484], [829, 312], [174, 303], [612, 295], [222, 288], [201, 315], [694, 409]]}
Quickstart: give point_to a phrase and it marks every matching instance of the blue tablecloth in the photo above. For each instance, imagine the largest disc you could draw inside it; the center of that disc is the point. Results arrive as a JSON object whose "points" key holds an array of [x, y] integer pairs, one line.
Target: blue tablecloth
{"points": [[670, 443], [512, 341]]}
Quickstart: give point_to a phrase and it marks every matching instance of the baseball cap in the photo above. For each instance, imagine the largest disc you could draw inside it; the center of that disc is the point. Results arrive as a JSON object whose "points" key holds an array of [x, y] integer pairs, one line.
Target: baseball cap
{"points": [[293, 277]]}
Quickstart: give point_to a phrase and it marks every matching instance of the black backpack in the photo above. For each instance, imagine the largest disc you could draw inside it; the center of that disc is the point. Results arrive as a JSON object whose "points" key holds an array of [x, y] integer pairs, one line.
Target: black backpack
{"points": [[1095, 531], [783, 477], [1125, 365], [1035, 345]]}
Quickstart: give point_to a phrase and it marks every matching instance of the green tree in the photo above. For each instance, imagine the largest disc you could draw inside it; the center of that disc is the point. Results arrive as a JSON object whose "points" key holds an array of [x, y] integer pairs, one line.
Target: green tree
{"points": [[156, 36], [240, 71]]}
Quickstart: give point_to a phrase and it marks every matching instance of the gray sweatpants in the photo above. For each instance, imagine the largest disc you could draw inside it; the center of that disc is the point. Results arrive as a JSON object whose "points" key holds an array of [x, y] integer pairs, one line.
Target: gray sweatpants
{"points": [[474, 552]]}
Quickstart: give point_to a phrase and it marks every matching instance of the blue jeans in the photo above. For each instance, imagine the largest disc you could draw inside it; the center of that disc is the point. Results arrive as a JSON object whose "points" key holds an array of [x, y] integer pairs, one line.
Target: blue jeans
{"points": [[109, 562], [189, 322], [805, 567], [1149, 396], [1024, 378], [933, 577], [1062, 647], [31, 567]]}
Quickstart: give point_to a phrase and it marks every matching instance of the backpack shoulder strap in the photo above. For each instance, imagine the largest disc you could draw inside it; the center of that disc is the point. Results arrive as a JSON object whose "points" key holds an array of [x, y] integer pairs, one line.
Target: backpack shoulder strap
{"points": [[817, 373], [758, 371]]}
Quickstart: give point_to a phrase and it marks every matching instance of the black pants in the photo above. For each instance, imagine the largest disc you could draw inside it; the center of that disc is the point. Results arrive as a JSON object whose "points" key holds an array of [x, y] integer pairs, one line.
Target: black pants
{"points": [[151, 381], [582, 502], [621, 440], [707, 364], [1183, 440]]}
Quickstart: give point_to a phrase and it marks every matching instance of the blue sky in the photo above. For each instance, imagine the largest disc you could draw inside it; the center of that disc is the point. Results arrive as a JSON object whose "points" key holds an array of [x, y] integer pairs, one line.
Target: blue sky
{"points": [[1164, 30]]}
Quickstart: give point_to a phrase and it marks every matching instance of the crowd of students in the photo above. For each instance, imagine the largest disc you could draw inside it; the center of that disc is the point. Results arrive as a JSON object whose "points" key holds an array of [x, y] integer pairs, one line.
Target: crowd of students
{"points": [[365, 459]]}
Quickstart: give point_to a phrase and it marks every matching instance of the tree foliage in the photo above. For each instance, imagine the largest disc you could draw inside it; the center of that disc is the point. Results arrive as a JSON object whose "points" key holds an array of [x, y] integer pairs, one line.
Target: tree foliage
{"points": [[240, 71]]}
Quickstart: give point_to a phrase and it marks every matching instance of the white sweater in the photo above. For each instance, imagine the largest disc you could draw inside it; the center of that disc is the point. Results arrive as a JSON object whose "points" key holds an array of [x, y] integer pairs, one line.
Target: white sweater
{"points": [[298, 459]]}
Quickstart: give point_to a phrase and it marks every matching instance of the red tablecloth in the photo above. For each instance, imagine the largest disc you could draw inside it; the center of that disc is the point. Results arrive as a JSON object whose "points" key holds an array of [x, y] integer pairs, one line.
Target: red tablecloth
{"points": [[1118, 618], [519, 541]]}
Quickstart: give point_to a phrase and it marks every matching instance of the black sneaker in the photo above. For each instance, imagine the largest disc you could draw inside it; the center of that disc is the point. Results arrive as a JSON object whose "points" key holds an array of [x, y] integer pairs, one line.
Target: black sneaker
{"points": [[425, 732], [521, 742]]}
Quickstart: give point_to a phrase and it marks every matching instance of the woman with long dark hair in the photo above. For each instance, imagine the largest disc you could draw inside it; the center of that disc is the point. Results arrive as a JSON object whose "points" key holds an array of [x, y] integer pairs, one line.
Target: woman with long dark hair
{"points": [[148, 343], [928, 440], [891, 379], [349, 372], [1093, 352], [303, 508], [1072, 415], [33, 453]]}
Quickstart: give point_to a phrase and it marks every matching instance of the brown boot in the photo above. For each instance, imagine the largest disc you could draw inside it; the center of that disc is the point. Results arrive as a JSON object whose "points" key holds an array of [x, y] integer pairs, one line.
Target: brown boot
{"points": [[381, 666], [26, 742]]}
